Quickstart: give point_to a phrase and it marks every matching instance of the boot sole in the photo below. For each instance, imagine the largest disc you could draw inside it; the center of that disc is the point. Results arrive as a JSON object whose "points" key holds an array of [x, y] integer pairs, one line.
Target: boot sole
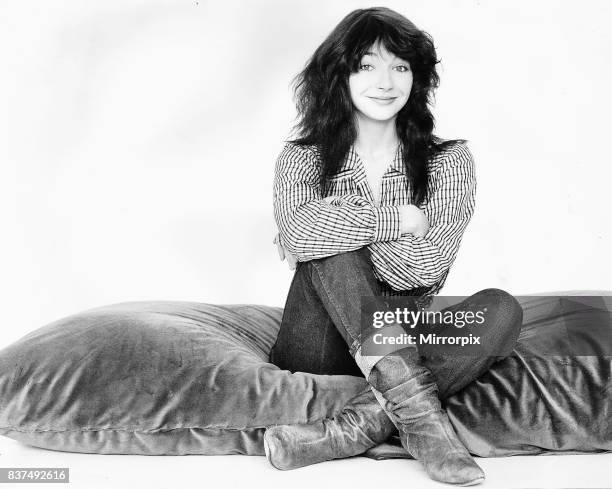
{"points": [[472, 483], [267, 451]]}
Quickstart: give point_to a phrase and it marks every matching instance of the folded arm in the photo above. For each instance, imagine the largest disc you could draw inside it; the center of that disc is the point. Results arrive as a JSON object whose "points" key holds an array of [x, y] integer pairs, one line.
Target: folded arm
{"points": [[313, 227], [411, 261]]}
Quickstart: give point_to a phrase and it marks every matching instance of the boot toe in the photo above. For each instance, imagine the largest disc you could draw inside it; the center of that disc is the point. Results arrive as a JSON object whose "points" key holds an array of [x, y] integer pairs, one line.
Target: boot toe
{"points": [[460, 470], [273, 449]]}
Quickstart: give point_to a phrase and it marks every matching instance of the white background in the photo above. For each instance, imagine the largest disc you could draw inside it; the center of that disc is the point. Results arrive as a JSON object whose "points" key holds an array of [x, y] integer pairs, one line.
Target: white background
{"points": [[138, 141]]}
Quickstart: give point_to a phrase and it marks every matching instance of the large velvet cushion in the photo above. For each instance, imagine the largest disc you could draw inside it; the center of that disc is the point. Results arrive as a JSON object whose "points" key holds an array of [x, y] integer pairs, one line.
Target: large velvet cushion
{"points": [[158, 378], [554, 394], [191, 378]]}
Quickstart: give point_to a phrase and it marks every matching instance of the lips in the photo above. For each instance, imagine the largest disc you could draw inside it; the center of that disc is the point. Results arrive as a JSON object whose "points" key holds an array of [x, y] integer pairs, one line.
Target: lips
{"points": [[383, 100]]}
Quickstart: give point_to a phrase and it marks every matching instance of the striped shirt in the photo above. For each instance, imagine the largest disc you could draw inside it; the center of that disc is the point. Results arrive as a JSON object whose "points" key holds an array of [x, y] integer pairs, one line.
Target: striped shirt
{"points": [[345, 218]]}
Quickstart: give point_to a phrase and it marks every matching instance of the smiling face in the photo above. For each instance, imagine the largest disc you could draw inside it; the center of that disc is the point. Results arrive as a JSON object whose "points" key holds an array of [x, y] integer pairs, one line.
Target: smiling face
{"points": [[381, 86]]}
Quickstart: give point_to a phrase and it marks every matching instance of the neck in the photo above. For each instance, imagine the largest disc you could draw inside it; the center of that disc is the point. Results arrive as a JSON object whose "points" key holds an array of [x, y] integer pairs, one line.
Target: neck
{"points": [[376, 137]]}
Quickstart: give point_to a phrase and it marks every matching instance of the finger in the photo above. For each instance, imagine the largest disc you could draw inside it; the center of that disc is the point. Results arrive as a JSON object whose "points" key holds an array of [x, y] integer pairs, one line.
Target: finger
{"points": [[292, 261], [281, 251]]}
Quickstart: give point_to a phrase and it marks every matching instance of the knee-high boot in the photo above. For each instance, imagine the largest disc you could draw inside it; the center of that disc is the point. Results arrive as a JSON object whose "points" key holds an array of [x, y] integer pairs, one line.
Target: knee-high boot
{"points": [[361, 425], [408, 393]]}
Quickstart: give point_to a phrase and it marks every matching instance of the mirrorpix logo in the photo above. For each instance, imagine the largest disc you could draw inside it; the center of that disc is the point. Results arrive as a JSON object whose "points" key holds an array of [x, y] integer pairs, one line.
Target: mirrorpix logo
{"points": [[386, 328]]}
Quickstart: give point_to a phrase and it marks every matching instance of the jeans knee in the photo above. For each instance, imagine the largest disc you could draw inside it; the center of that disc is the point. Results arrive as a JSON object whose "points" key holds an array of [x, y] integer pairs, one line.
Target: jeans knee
{"points": [[505, 321], [506, 304], [343, 262]]}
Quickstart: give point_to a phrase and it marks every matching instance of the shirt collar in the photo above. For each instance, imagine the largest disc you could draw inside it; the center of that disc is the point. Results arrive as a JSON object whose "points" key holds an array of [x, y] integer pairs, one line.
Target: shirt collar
{"points": [[397, 165]]}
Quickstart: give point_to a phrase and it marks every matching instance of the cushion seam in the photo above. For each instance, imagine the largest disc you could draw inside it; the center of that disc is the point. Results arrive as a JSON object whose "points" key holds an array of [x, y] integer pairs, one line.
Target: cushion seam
{"points": [[161, 430]]}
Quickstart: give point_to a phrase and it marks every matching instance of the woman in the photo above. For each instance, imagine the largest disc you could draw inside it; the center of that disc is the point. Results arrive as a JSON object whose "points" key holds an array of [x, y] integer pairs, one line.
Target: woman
{"points": [[369, 202]]}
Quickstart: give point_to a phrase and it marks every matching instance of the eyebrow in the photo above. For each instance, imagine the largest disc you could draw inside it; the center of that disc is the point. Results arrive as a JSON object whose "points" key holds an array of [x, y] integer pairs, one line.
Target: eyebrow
{"points": [[370, 53]]}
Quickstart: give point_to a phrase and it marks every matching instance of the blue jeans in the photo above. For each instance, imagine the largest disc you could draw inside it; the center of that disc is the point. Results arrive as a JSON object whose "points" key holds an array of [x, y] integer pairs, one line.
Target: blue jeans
{"points": [[320, 328]]}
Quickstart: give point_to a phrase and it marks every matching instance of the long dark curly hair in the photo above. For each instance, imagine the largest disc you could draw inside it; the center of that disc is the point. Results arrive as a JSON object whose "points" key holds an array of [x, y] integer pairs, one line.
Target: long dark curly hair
{"points": [[323, 100]]}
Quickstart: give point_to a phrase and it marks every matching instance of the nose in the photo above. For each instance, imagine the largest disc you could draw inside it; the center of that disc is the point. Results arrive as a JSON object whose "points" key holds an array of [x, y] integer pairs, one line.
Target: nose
{"points": [[385, 81]]}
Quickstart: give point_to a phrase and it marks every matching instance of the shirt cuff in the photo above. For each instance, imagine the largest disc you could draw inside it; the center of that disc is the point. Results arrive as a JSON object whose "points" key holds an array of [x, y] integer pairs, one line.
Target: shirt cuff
{"points": [[387, 223]]}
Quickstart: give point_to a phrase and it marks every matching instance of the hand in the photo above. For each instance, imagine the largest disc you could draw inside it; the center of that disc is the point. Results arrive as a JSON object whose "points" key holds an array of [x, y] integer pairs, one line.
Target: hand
{"points": [[284, 254], [413, 221]]}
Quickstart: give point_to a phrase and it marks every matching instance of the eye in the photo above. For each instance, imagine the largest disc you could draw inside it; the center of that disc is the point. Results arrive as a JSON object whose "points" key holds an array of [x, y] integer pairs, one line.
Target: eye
{"points": [[365, 67], [403, 68]]}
